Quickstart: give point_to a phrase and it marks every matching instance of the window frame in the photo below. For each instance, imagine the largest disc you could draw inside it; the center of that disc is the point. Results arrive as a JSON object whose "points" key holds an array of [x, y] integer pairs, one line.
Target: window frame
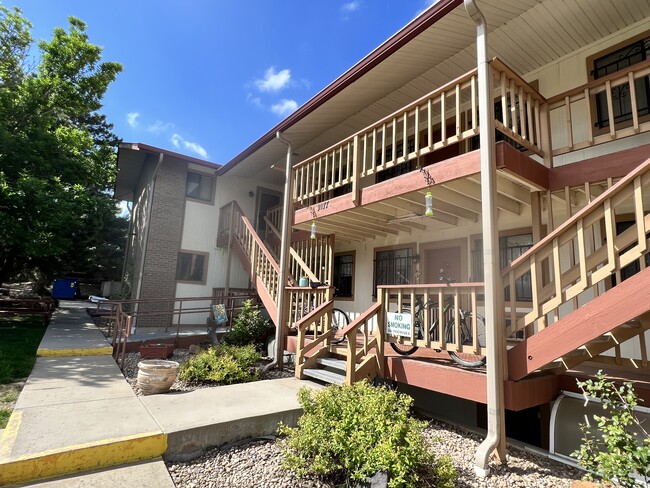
{"points": [[354, 264], [412, 246], [212, 179], [599, 127], [204, 276]]}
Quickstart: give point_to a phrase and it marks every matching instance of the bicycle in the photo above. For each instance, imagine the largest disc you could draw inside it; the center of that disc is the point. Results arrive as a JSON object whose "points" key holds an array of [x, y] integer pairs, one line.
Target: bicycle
{"points": [[465, 330]]}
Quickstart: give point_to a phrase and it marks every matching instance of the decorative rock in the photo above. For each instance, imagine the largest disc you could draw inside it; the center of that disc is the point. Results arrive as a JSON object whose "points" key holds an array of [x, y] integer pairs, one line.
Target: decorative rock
{"points": [[156, 376], [194, 349]]}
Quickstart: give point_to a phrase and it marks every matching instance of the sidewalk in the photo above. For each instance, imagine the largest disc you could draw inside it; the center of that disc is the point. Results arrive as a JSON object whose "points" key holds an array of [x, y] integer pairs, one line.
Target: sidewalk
{"points": [[77, 413]]}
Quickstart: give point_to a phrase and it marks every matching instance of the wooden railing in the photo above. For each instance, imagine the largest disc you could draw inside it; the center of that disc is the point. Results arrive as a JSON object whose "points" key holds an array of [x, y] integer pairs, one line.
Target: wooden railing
{"points": [[438, 308], [315, 324], [575, 263], [365, 360], [263, 265], [313, 258], [522, 113], [446, 116], [303, 299], [575, 110]]}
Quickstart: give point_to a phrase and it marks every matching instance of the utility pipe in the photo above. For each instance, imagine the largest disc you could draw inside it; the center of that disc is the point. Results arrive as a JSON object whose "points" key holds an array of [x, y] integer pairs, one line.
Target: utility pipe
{"points": [[284, 256], [495, 439]]}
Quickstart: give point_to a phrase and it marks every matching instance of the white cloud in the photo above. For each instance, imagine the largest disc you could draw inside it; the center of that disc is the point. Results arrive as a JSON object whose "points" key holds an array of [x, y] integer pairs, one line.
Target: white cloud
{"points": [[272, 81], [257, 101], [159, 127], [284, 107], [132, 118], [350, 7], [179, 142], [123, 208]]}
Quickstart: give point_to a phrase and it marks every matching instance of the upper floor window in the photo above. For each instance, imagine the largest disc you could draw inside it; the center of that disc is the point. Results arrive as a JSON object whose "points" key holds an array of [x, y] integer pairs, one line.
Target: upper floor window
{"points": [[192, 266], [344, 275], [613, 62], [199, 186]]}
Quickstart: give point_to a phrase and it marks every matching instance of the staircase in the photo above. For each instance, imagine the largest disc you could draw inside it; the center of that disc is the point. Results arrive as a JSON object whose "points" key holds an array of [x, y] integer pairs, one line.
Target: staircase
{"points": [[309, 309], [583, 305]]}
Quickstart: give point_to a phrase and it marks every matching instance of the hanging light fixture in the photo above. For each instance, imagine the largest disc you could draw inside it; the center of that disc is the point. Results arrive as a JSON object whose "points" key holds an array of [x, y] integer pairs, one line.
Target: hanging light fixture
{"points": [[313, 230], [428, 203]]}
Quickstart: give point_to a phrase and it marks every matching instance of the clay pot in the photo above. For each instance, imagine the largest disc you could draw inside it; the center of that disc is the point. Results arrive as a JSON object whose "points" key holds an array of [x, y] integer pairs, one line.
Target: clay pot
{"points": [[156, 375]]}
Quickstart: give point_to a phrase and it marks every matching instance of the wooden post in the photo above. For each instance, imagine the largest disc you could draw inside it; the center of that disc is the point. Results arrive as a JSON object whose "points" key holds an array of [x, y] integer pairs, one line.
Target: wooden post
{"points": [[545, 130]]}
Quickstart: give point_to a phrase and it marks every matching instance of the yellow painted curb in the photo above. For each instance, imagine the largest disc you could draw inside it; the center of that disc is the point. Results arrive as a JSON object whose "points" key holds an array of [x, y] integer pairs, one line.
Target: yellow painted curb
{"points": [[96, 351], [10, 434], [81, 457]]}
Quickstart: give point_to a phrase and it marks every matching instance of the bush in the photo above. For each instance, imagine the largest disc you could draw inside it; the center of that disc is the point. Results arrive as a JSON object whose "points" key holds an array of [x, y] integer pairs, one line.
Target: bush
{"points": [[621, 446], [249, 327], [222, 364], [352, 432]]}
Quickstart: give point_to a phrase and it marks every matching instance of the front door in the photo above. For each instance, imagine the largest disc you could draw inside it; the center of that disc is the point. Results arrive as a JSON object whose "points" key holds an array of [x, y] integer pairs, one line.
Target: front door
{"points": [[445, 262]]}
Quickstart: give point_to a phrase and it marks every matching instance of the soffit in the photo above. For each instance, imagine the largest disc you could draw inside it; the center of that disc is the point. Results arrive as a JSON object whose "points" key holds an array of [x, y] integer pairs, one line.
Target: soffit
{"points": [[527, 34]]}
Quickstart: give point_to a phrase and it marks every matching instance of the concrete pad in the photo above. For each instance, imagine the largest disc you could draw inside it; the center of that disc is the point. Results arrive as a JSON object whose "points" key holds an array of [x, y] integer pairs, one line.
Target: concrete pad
{"points": [[197, 420], [147, 474]]}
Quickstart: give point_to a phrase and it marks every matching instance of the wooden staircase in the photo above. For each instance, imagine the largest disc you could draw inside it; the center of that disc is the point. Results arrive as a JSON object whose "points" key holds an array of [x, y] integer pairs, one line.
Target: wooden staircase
{"points": [[582, 304]]}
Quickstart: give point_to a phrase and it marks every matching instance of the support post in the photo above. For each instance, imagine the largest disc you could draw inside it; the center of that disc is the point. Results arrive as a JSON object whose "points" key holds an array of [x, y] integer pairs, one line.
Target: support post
{"points": [[495, 440]]}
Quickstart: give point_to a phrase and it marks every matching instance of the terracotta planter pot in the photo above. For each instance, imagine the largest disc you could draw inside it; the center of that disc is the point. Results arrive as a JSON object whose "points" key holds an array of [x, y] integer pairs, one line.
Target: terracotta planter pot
{"points": [[156, 376], [156, 351]]}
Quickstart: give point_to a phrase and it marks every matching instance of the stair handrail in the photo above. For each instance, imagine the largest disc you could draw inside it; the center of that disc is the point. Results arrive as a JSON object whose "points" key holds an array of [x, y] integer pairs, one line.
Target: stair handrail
{"points": [[314, 317], [254, 236], [589, 270], [362, 363]]}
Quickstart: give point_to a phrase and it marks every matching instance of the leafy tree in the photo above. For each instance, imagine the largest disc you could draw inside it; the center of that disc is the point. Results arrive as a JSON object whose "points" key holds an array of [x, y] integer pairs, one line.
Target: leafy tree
{"points": [[57, 151]]}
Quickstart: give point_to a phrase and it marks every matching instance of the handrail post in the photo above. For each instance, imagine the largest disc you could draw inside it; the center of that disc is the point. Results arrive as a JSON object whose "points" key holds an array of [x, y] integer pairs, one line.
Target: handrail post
{"points": [[545, 133], [379, 332], [356, 170]]}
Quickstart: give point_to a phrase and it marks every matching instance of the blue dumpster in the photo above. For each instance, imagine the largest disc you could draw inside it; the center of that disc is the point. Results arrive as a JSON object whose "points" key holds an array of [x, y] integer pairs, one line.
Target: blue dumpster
{"points": [[65, 288]]}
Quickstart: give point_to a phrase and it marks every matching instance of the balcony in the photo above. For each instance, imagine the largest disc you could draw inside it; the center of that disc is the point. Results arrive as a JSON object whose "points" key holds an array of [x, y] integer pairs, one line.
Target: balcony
{"points": [[379, 175]]}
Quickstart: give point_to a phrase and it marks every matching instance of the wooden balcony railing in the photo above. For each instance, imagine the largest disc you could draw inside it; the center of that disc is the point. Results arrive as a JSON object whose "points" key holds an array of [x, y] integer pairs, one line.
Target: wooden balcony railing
{"points": [[303, 299], [576, 262], [439, 308], [446, 116], [572, 112]]}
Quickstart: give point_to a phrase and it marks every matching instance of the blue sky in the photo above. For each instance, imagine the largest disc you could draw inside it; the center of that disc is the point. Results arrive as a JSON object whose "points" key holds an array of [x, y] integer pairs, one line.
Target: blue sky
{"points": [[208, 77]]}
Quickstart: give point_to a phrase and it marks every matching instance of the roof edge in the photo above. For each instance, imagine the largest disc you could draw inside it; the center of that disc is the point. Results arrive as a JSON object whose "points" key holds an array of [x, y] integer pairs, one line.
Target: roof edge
{"points": [[379, 54], [139, 146]]}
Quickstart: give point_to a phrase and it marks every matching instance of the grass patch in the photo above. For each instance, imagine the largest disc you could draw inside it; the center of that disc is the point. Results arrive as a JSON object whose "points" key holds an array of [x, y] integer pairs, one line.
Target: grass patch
{"points": [[19, 340], [5, 413], [9, 396]]}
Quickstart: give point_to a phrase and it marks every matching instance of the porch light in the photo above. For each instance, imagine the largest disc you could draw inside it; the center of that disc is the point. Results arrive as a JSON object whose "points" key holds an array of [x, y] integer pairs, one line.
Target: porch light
{"points": [[313, 230], [428, 202]]}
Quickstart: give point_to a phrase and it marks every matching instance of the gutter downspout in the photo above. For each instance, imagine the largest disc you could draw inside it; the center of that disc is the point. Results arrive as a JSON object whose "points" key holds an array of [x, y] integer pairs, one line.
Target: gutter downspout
{"points": [[287, 218], [495, 439], [146, 237]]}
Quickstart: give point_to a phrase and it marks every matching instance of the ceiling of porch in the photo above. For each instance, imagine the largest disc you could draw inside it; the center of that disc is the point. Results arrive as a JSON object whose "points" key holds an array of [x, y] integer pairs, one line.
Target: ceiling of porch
{"points": [[455, 203]]}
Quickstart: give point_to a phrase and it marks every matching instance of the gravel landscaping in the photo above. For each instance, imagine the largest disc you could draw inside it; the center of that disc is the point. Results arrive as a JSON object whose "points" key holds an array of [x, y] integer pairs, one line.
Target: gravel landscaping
{"points": [[258, 464], [132, 359]]}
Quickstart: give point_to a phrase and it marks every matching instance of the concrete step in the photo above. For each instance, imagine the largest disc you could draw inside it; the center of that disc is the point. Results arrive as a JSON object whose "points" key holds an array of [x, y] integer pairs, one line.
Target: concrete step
{"points": [[332, 364], [325, 376]]}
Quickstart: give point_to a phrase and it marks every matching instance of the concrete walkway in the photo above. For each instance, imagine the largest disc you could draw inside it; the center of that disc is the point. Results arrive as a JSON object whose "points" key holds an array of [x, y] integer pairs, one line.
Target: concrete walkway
{"points": [[77, 413]]}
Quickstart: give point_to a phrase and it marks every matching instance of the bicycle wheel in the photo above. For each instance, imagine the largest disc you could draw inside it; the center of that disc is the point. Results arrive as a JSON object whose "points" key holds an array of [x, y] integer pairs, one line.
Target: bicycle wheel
{"points": [[468, 360], [339, 321], [407, 349]]}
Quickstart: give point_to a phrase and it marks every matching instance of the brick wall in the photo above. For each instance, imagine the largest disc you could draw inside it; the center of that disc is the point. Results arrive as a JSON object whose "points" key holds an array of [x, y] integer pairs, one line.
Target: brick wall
{"points": [[164, 239]]}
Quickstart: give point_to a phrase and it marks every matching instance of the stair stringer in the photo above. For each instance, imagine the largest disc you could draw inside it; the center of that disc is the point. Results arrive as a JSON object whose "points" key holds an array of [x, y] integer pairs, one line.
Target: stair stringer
{"points": [[613, 309]]}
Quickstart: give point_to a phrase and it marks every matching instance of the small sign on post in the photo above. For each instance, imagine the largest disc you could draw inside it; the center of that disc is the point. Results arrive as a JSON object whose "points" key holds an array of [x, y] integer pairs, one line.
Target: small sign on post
{"points": [[398, 324]]}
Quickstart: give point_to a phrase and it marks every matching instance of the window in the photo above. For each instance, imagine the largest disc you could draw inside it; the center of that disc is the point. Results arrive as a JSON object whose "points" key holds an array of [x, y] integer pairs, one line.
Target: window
{"points": [[199, 186], [618, 60], [344, 275], [191, 267], [510, 248], [393, 267]]}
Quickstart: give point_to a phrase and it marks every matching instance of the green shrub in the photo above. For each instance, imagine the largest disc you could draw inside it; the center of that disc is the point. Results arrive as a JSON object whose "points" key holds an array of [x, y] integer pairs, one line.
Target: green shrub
{"points": [[249, 327], [351, 432], [222, 364], [618, 445]]}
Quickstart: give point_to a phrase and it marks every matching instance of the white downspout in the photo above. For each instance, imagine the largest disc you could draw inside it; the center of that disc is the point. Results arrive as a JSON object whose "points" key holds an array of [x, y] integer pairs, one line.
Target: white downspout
{"points": [[145, 238], [287, 218], [495, 371]]}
